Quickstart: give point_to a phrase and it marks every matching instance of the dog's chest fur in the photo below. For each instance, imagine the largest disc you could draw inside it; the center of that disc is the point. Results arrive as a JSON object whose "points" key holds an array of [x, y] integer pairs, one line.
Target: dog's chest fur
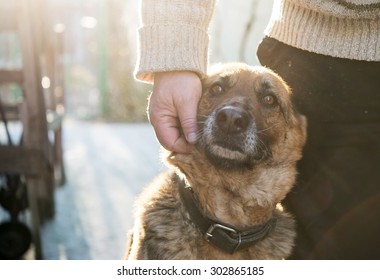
{"points": [[167, 231]]}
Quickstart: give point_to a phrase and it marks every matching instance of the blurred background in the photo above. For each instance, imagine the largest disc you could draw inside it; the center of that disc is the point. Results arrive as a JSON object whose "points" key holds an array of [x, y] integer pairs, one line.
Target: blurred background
{"points": [[75, 145]]}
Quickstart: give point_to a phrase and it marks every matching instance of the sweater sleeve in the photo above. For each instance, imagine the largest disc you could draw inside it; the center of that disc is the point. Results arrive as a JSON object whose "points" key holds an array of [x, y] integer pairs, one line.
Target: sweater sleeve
{"points": [[173, 36]]}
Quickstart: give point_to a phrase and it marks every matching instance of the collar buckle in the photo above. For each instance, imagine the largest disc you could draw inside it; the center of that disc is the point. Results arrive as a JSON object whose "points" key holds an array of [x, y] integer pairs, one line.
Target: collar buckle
{"points": [[208, 234]]}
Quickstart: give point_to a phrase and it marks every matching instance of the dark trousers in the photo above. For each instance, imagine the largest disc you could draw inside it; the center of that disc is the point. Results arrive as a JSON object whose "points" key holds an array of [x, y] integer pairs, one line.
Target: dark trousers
{"points": [[336, 200]]}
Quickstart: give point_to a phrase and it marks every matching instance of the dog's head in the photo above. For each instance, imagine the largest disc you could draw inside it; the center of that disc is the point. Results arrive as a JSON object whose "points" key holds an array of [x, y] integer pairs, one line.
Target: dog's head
{"points": [[246, 117], [248, 131]]}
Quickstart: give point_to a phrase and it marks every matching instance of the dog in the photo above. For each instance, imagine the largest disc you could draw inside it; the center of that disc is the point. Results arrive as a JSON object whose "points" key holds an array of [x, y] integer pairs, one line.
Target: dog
{"points": [[222, 200]]}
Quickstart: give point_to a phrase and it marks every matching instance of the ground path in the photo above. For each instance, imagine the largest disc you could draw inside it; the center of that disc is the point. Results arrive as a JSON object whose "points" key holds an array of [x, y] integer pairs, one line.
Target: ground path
{"points": [[107, 165]]}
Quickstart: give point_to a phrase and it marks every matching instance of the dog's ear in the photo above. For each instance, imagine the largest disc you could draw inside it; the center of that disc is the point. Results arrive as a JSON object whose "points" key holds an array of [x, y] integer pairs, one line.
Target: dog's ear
{"points": [[297, 118], [299, 123], [303, 121]]}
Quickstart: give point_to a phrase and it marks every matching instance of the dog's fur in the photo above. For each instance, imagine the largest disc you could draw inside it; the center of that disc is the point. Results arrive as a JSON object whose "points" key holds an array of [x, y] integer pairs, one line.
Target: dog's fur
{"points": [[242, 166]]}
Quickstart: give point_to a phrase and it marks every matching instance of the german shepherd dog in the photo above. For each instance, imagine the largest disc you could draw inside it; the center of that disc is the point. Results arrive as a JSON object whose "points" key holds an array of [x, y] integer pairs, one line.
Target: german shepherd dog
{"points": [[222, 201]]}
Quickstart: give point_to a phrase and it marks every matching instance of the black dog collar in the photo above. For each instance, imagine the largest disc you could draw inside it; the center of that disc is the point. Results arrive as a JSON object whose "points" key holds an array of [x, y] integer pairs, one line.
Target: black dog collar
{"points": [[223, 236]]}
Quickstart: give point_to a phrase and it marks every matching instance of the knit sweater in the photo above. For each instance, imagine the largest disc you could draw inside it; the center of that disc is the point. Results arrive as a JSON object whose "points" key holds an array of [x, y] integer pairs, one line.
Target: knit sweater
{"points": [[174, 33]]}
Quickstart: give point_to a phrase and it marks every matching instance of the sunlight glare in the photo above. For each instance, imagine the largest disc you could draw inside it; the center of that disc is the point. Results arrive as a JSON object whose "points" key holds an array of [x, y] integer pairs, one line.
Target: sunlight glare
{"points": [[88, 22], [45, 82]]}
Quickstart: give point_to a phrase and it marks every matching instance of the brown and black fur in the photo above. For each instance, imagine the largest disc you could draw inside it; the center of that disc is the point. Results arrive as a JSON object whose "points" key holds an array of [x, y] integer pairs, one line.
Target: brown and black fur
{"points": [[242, 166]]}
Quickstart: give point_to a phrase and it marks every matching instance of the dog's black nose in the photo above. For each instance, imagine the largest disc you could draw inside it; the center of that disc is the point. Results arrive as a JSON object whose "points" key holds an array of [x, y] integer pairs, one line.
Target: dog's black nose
{"points": [[232, 120]]}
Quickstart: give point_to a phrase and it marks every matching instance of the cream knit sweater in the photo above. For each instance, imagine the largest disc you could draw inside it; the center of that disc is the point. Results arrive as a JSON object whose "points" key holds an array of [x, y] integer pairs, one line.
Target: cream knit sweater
{"points": [[174, 33]]}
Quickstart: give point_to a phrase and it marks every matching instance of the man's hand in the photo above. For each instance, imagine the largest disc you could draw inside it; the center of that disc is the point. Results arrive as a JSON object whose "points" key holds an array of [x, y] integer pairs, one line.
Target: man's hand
{"points": [[173, 108]]}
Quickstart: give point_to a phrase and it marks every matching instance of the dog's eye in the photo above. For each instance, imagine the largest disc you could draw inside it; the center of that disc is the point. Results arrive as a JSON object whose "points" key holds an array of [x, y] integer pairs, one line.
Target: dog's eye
{"points": [[269, 100], [216, 89]]}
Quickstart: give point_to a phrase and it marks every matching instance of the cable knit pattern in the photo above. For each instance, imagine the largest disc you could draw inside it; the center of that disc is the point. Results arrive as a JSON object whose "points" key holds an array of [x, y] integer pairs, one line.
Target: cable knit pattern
{"points": [[174, 33]]}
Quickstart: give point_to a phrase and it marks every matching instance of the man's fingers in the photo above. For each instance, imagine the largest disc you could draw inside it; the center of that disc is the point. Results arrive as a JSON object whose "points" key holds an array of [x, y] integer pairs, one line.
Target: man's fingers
{"points": [[187, 107], [166, 125], [189, 126], [168, 134], [173, 109]]}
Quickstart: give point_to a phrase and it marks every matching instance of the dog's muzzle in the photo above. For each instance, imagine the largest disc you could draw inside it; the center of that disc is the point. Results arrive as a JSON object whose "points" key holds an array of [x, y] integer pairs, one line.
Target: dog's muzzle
{"points": [[229, 137]]}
